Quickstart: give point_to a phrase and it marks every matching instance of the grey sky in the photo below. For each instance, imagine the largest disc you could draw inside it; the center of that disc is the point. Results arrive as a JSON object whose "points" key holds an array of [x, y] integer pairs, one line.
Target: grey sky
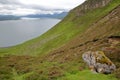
{"points": [[25, 7]]}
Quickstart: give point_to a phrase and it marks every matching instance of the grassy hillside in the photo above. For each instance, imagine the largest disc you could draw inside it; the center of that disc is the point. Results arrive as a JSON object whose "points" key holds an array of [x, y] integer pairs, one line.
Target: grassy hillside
{"points": [[56, 55], [68, 28]]}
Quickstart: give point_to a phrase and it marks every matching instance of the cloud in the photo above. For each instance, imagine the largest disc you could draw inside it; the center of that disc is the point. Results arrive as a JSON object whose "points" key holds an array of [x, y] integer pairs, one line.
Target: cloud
{"points": [[9, 2], [25, 7]]}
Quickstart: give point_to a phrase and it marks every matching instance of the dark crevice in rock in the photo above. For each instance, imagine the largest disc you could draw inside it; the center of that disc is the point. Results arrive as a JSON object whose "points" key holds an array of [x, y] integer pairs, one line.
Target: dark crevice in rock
{"points": [[114, 37]]}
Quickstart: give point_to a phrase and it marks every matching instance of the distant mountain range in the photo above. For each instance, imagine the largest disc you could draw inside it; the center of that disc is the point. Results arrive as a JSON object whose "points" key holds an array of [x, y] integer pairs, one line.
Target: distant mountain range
{"points": [[56, 15], [9, 17], [12, 17]]}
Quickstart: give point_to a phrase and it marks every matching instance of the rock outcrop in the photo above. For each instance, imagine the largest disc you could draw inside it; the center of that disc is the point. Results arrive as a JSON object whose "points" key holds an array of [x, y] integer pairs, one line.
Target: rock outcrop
{"points": [[90, 5], [98, 62]]}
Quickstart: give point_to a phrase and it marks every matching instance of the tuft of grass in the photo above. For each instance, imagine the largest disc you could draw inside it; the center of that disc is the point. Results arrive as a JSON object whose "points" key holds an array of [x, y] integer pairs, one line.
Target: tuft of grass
{"points": [[17, 76], [87, 75]]}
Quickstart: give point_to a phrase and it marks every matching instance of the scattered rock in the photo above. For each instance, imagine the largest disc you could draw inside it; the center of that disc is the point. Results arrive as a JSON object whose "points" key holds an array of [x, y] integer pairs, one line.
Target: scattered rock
{"points": [[98, 62]]}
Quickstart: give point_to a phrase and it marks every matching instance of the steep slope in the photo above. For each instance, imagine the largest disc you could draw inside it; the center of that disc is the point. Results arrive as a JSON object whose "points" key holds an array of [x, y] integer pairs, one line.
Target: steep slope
{"points": [[92, 26], [77, 21], [103, 35], [106, 27]]}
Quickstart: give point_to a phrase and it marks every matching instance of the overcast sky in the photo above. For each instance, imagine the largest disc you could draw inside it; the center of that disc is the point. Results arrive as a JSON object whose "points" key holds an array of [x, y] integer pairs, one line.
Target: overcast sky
{"points": [[25, 7]]}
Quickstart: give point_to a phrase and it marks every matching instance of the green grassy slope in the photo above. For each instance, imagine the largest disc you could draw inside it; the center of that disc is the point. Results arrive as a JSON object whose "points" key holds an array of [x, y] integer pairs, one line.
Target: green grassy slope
{"points": [[68, 28], [66, 64], [32, 68]]}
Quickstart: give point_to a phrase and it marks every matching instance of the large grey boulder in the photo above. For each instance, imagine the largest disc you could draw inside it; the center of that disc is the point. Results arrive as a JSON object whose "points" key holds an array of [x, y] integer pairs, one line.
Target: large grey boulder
{"points": [[98, 62]]}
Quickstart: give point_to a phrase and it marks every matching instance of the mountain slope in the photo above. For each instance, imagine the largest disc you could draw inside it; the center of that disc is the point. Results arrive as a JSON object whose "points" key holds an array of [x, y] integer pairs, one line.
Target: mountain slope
{"points": [[103, 35], [8, 17], [92, 26], [72, 25]]}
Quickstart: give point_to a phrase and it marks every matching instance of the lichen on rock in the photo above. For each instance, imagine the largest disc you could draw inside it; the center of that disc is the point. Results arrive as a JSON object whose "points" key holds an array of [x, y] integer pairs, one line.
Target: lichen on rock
{"points": [[98, 62]]}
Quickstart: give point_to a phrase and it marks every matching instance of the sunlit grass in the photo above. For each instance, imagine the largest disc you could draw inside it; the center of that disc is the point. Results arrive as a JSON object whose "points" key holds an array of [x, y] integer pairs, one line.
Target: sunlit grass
{"points": [[87, 75]]}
